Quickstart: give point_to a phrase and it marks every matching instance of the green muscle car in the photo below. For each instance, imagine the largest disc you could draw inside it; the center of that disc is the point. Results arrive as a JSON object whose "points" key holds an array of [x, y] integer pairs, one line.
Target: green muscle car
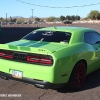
{"points": [[52, 57]]}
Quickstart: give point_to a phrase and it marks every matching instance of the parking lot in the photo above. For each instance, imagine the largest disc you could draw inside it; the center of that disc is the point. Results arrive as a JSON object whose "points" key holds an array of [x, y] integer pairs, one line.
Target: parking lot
{"points": [[90, 91]]}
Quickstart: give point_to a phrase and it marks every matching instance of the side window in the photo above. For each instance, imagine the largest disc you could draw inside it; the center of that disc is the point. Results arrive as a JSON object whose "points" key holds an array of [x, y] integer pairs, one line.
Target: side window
{"points": [[95, 37], [87, 38]]}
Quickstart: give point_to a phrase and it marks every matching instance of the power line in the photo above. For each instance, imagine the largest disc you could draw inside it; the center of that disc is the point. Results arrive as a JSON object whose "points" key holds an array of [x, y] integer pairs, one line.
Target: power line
{"points": [[57, 7]]}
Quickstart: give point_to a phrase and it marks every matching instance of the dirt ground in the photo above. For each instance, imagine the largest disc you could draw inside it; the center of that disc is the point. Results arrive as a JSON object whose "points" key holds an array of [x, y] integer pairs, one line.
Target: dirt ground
{"points": [[23, 91]]}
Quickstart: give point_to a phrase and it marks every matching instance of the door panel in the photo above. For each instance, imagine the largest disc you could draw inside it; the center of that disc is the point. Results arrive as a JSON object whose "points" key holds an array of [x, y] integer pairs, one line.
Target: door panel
{"points": [[93, 39]]}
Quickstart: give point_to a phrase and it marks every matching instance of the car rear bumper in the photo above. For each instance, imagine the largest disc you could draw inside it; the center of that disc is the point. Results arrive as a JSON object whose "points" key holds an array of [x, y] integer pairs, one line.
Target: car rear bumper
{"points": [[37, 83]]}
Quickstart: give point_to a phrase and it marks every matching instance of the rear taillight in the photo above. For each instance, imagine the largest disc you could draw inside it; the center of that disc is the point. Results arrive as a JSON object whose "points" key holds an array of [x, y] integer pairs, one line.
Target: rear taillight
{"points": [[6, 54], [46, 60], [2, 54], [26, 57], [34, 59], [40, 59]]}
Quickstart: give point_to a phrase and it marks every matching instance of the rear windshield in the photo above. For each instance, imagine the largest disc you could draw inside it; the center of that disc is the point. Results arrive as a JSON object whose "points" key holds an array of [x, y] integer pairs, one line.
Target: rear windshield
{"points": [[49, 36]]}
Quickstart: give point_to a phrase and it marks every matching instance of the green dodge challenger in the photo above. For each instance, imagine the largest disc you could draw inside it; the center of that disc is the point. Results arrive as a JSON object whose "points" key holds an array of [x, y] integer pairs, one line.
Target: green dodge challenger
{"points": [[52, 57]]}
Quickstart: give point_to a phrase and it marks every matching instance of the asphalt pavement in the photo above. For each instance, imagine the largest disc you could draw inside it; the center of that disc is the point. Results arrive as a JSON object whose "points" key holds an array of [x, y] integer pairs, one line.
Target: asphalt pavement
{"points": [[14, 90]]}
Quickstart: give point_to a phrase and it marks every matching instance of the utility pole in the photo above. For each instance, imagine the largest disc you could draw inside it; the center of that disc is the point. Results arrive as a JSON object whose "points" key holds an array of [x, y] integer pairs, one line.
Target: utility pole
{"points": [[6, 18], [32, 14]]}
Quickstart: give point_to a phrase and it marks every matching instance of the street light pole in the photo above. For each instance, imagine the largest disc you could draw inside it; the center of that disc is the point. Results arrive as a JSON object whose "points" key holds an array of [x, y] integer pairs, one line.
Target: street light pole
{"points": [[6, 18]]}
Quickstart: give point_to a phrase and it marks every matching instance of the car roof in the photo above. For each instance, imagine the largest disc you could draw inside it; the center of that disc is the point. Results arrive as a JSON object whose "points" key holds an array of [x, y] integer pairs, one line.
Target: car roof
{"points": [[66, 28]]}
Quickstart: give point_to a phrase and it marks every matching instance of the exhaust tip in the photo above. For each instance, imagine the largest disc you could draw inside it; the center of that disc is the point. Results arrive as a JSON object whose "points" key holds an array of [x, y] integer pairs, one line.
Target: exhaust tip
{"points": [[3, 77], [39, 86]]}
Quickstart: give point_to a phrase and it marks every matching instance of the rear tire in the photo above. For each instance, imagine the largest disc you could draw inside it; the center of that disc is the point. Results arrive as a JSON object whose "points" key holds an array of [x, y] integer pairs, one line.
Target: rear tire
{"points": [[78, 76]]}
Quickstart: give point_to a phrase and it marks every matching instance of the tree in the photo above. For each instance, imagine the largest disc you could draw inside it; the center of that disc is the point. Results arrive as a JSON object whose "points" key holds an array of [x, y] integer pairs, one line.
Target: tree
{"points": [[2, 20], [94, 15], [37, 19], [51, 19], [30, 21], [20, 20], [98, 16], [10, 19], [67, 17], [57, 19], [62, 18], [13, 20], [73, 17], [77, 17]]}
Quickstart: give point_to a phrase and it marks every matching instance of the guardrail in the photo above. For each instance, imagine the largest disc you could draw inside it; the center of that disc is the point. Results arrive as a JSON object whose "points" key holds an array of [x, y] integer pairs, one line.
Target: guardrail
{"points": [[85, 22], [34, 25]]}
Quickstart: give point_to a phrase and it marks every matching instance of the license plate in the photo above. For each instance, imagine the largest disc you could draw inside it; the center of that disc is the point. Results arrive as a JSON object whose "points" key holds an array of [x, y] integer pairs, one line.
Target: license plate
{"points": [[17, 74]]}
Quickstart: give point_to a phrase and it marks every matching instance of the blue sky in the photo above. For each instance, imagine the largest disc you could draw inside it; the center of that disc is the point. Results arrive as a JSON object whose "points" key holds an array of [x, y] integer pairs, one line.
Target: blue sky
{"points": [[16, 8]]}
